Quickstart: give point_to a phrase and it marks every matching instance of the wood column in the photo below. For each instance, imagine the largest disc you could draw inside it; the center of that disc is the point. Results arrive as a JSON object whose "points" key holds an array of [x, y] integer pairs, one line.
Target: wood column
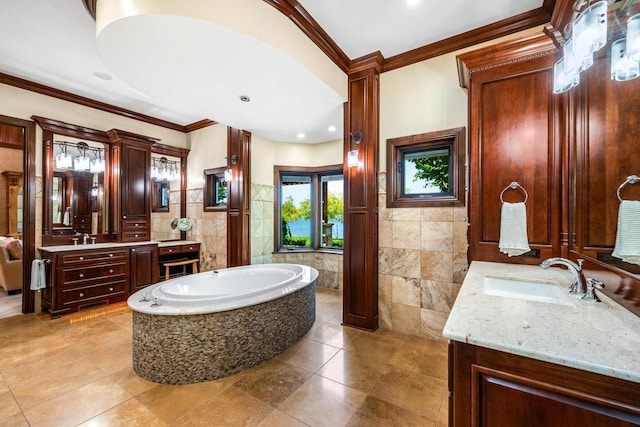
{"points": [[362, 114], [239, 198]]}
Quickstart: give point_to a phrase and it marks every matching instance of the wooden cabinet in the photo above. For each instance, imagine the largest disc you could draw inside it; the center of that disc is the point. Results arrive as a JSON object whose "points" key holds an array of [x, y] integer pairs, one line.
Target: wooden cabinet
{"points": [[144, 266], [131, 197], [493, 388], [513, 136], [177, 252], [86, 278]]}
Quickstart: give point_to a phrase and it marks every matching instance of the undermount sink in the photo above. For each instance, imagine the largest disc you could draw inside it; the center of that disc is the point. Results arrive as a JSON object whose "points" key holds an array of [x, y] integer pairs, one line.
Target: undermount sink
{"points": [[526, 289]]}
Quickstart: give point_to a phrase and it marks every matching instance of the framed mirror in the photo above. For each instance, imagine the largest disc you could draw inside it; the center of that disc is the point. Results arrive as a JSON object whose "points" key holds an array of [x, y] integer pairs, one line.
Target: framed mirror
{"points": [[215, 189], [165, 176], [76, 177]]}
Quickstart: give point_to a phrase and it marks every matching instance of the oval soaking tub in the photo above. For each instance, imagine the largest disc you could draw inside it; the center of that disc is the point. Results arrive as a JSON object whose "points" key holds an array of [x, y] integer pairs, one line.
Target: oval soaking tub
{"points": [[213, 324]]}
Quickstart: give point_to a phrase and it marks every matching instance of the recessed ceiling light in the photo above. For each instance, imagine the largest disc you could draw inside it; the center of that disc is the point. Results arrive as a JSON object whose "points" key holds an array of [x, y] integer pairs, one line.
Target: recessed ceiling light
{"points": [[332, 128], [244, 98], [300, 135], [102, 76], [412, 2]]}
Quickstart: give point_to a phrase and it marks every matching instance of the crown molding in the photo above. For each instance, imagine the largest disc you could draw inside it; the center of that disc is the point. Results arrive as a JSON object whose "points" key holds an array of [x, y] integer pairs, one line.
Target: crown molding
{"points": [[199, 125]]}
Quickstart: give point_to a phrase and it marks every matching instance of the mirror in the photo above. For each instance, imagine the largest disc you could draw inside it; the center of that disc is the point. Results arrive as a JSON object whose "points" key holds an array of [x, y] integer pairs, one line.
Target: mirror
{"points": [[78, 204], [215, 189], [604, 155], [166, 196]]}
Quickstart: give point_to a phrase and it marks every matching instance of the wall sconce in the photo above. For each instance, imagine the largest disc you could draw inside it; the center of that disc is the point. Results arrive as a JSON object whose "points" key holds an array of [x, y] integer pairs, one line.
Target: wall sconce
{"points": [[228, 174], [163, 169], [352, 156], [64, 159], [94, 190], [81, 162]]}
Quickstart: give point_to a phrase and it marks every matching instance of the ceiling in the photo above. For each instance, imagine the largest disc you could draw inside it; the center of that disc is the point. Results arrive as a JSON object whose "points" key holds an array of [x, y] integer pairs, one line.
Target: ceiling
{"points": [[54, 44]]}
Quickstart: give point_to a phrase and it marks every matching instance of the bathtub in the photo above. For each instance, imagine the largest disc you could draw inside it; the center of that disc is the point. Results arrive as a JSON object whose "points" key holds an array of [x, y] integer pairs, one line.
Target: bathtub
{"points": [[214, 324]]}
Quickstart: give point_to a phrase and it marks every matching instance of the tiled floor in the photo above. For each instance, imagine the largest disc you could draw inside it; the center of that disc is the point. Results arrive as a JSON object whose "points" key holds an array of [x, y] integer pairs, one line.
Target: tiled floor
{"points": [[10, 305], [77, 371]]}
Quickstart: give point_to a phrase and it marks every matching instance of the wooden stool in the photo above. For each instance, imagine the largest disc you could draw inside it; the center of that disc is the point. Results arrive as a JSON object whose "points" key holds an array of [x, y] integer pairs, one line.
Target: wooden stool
{"points": [[183, 263]]}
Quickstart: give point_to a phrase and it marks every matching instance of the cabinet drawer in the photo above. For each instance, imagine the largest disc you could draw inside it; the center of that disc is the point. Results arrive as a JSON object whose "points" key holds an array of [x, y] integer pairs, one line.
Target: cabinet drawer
{"points": [[133, 225], [167, 250], [191, 248], [135, 236], [73, 276], [88, 293], [97, 256]]}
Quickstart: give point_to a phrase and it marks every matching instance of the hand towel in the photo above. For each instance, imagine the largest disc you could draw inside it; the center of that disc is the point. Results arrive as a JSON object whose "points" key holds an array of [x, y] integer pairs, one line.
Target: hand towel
{"points": [[67, 218], [513, 229], [628, 236], [38, 275]]}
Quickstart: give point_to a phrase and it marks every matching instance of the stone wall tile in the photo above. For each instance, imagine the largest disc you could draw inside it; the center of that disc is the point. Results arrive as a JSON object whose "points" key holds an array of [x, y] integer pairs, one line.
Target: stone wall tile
{"points": [[436, 295], [399, 262], [432, 323], [436, 266], [437, 236]]}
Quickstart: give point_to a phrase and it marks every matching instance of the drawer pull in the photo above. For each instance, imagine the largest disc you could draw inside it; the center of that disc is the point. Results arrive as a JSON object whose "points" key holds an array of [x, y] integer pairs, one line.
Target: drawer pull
{"points": [[81, 275], [81, 258], [110, 289], [135, 225], [110, 255], [111, 270], [135, 235], [81, 294], [124, 217], [190, 248], [170, 250]]}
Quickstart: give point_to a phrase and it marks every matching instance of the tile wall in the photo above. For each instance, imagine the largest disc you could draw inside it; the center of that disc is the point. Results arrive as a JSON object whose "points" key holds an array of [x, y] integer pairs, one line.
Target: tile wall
{"points": [[161, 221], [422, 262], [210, 229]]}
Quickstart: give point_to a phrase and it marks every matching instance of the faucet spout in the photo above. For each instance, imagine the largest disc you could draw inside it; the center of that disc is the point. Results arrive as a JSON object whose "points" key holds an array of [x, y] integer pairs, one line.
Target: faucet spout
{"points": [[579, 284], [85, 238]]}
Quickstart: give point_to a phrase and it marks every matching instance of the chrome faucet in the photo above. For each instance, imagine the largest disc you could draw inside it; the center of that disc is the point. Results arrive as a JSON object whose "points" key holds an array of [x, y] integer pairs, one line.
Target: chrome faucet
{"points": [[85, 238], [579, 284]]}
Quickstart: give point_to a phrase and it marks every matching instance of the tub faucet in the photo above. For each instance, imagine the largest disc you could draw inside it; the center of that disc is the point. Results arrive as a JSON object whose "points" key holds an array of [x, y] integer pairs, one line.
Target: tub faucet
{"points": [[579, 285], [85, 238]]}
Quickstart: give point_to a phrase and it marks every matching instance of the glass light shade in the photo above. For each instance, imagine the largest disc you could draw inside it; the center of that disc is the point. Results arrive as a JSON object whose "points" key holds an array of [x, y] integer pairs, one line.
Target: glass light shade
{"points": [[562, 80], [94, 191], [623, 68], [352, 158], [97, 166], [573, 62], [633, 37], [154, 172], [81, 163], [64, 161], [590, 29], [228, 175]]}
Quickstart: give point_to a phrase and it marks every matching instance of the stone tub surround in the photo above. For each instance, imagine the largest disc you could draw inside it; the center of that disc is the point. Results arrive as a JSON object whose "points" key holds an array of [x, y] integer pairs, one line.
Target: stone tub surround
{"points": [[203, 347], [598, 337]]}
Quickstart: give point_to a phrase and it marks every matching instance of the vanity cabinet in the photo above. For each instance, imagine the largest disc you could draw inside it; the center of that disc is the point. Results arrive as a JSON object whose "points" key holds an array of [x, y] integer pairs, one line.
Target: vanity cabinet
{"points": [[131, 200], [144, 266], [513, 137], [492, 388]]}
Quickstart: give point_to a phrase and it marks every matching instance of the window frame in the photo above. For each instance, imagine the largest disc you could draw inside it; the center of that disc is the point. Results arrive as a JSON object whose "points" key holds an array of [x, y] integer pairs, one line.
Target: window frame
{"points": [[454, 140], [209, 196], [316, 173]]}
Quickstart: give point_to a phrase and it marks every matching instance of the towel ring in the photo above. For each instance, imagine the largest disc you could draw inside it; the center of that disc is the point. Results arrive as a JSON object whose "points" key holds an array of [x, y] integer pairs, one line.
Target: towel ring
{"points": [[513, 186], [631, 179]]}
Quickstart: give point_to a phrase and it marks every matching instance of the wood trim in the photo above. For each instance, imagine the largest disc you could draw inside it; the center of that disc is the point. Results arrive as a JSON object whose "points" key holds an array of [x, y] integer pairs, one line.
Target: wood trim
{"points": [[239, 199], [91, 6], [169, 150], [87, 102], [305, 22], [199, 125], [489, 32], [68, 129]]}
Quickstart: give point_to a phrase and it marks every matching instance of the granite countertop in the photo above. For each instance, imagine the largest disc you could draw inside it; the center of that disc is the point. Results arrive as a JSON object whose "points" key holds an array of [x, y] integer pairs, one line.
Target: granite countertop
{"points": [[599, 337], [115, 245]]}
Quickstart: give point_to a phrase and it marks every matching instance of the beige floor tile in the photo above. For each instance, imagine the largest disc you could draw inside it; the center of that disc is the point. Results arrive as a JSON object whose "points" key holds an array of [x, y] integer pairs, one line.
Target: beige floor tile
{"points": [[272, 382], [323, 402], [376, 412], [280, 419], [330, 334], [231, 407], [18, 351], [17, 420], [353, 370], [409, 390], [309, 355], [369, 346], [131, 382], [78, 405], [130, 414], [423, 356], [111, 353], [327, 311], [8, 405]]}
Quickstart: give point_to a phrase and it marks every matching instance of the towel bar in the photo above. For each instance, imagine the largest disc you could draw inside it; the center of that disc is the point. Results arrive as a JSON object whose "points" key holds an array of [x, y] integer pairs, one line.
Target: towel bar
{"points": [[513, 186], [631, 179]]}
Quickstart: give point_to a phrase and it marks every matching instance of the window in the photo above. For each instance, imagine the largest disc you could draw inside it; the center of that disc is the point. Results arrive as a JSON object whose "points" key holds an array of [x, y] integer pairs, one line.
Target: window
{"points": [[309, 212], [426, 169]]}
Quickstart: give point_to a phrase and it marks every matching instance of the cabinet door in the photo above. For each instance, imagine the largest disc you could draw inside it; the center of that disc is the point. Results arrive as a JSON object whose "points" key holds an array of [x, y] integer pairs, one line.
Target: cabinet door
{"points": [[513, 126], [135, 184], [144, 266]]}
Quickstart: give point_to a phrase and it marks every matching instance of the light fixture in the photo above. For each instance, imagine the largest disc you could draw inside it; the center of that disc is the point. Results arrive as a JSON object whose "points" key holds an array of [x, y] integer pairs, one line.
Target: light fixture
{"points": [[332, 128], [352, 156], [300, 135], [94, 189], [228, 173], [63, 159], [589, 34], [163, 169], [97, 165], [81, 163]]}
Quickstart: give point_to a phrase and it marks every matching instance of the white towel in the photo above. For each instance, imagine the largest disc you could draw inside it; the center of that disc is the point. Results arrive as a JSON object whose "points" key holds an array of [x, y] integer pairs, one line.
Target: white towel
{"points": [[38, 275], [628, 235], [67, 218], [513, 229]]}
